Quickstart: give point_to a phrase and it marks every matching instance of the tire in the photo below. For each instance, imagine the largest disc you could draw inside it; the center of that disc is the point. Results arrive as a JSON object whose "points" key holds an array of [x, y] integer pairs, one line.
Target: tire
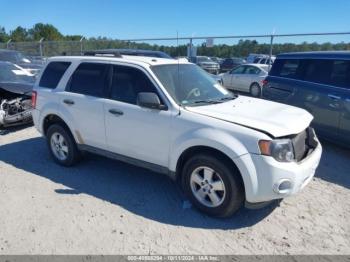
{"points": [[255, 90], [230, 190], [62, 146]]}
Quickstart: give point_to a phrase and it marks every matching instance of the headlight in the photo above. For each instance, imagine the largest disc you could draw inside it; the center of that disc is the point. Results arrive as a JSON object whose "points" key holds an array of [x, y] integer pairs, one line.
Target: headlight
{"points": [[280, 149]]}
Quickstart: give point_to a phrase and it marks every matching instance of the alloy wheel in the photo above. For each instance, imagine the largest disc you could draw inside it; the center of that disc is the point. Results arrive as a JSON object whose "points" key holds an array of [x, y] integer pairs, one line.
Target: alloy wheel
{"points": [[207, 186], [59, 146]]}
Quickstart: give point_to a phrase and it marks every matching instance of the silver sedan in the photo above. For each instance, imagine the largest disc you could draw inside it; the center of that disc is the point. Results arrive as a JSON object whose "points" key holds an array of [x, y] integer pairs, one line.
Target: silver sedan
{"points": [[246, 78]]}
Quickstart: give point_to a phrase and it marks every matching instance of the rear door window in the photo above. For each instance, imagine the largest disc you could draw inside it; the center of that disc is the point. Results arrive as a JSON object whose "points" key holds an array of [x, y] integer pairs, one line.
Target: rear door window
{"points": [[90, 79], [53, 74], [328, 72], [252, 70], [287, 68], [317, 70], [238, 70]]}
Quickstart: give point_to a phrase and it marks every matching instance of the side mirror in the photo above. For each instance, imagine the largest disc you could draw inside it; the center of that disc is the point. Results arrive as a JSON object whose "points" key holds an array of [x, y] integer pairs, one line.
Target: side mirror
{"points": [[150, 100]]}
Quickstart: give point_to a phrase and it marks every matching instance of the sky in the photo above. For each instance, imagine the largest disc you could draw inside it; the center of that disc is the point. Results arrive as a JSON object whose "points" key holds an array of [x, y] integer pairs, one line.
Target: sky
{"points": [[129, 19]]}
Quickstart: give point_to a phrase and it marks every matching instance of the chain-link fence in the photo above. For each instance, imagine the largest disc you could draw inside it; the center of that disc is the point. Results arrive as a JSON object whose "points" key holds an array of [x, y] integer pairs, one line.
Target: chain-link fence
{"points": [[212, 46]]}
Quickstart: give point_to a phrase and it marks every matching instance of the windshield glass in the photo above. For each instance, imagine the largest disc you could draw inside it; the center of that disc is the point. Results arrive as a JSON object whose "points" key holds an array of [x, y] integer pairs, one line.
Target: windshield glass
{"points": [[238, 60], [12, 73], [14, 57], [8, 56], [203, 59], [188, 84]]}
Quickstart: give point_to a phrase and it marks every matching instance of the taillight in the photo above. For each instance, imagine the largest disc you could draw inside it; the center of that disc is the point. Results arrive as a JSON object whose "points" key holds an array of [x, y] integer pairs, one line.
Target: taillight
{"points": [[34, 96], [264, 82]]}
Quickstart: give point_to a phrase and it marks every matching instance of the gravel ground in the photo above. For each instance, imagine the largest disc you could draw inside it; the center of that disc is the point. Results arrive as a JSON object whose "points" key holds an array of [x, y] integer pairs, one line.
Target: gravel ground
{"points": [[104, 206]]}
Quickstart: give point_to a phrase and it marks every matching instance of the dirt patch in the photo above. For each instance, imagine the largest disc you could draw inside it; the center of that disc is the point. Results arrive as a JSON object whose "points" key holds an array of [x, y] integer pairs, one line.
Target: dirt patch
{"points": [[104, 206]]}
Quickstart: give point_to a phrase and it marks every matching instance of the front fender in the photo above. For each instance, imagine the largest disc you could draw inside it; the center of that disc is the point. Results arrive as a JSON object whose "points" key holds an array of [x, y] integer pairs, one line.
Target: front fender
{"points": [[225, 143], [209, 137]]}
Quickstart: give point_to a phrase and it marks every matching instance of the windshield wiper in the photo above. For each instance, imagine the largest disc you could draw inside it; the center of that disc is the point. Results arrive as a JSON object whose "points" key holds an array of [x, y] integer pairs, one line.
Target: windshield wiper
{"points": [[207, 101], [227, 98], [214, 101]]}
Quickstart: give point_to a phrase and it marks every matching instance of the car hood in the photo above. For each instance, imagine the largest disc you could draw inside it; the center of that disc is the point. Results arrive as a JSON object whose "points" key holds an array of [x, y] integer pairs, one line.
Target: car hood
{"points": [[19, 88], [276, 119], [30, 66]]}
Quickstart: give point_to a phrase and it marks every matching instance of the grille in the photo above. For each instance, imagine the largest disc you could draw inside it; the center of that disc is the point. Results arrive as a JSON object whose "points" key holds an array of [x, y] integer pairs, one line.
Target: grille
{"points": [[304, 143]]}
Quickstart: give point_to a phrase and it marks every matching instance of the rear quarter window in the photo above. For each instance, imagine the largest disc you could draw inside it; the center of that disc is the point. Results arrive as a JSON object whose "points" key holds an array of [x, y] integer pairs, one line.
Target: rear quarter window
{"points": [[53, 74]]}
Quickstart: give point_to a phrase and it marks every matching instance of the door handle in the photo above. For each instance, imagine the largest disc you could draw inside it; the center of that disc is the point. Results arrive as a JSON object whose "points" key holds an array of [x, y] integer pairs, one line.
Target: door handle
{"points": [[116, 112], [68, 102], [334, 97]]}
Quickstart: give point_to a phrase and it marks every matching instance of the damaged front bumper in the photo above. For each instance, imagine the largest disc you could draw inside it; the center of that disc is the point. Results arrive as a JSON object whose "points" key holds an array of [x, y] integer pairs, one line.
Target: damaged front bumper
{"points": [[17, 111], [15, 103]]}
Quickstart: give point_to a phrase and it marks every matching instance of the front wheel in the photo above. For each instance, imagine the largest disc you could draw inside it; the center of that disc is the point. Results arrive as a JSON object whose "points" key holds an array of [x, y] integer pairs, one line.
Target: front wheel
{"points": [[213, 186]]}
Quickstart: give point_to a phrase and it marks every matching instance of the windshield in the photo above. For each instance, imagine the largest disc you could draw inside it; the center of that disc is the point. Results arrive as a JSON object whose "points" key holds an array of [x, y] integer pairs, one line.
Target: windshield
{"points": [[188, 84], [238, 61], [203, 59], [12, 73], [8, 56], [14, 57]]}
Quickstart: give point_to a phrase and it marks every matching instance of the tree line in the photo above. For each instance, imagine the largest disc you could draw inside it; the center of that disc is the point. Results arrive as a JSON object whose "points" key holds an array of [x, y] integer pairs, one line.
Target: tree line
{"points": [[38, 31], [57, 43]]}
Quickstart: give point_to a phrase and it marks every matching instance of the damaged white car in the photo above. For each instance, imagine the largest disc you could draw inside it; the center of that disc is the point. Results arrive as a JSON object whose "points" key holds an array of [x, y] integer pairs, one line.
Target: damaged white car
{"points": [[16, 85]]}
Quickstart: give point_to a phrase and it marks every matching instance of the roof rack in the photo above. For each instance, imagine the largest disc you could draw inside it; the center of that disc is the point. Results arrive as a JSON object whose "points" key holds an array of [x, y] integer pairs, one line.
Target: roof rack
{"points": [[102, 53]]}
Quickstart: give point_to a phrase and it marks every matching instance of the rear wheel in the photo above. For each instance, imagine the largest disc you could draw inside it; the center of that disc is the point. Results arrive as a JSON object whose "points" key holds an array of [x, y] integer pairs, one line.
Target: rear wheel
{"points": [[255, 90], [213, 186], [62, 146]]}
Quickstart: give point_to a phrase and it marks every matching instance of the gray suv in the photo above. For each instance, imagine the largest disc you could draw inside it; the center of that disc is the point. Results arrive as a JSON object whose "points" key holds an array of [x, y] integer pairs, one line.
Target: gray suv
{"points": [[318, 82]]}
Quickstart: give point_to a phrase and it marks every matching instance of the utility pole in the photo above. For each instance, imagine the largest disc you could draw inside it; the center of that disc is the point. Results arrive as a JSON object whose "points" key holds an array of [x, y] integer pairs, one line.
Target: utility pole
{"points": [[81, 45], [41, 47], [190, 51], [8, 43], [271, 46]]}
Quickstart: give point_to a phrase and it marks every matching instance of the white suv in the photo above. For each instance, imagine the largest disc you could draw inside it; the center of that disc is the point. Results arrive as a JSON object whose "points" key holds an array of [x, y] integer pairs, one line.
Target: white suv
{"points": [[171, 117]]}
